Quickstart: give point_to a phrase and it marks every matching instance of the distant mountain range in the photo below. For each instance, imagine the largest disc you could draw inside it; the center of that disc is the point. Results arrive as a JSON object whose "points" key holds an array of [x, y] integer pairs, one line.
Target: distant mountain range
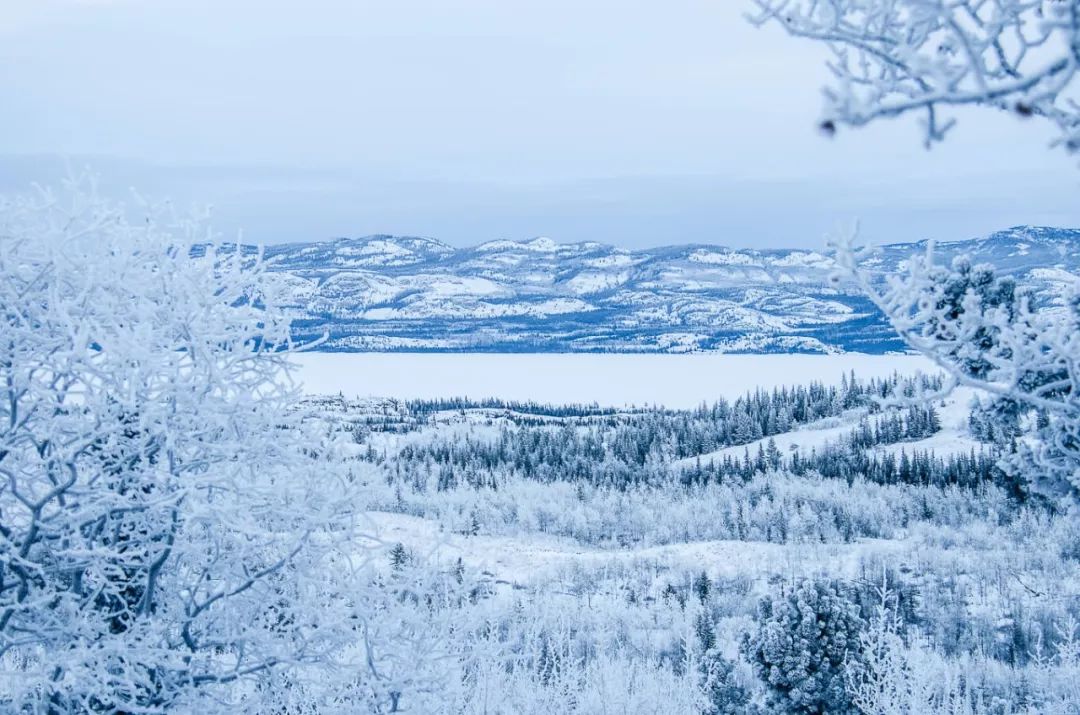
{"points": [[387, 293]]}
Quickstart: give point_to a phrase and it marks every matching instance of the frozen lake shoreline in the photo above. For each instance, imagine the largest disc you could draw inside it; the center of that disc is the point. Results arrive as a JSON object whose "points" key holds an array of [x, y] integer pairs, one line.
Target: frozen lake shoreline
{"points": [[610, 379]]}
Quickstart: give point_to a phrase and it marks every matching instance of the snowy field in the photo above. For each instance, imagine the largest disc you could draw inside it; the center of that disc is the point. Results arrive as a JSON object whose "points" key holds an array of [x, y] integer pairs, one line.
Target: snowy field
{"points": [[537, 560], [677, 381]]}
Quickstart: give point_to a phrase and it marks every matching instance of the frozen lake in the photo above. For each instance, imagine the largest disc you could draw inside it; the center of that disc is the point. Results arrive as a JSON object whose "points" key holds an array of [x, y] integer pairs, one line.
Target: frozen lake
{"points": [[608, 379]]}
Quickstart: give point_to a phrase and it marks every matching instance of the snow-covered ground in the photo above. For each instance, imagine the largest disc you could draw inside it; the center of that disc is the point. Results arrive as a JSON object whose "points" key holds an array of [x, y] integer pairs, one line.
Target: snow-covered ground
{"points": [[677, 381], [536, 559]]}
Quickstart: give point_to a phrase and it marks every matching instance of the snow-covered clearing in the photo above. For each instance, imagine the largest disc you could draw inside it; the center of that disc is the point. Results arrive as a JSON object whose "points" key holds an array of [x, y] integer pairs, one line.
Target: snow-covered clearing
{"points": [[676, 381], [812, 436], [535, 560], [954, 437]]}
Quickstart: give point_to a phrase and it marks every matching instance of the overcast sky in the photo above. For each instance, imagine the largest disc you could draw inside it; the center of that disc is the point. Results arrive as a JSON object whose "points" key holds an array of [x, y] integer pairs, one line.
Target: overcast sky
{"points": [[624, 121]]}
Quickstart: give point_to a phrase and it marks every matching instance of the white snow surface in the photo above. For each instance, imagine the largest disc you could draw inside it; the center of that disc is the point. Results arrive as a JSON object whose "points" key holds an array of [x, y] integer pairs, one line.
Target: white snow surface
{"points": [[609, 379], [533, 560]]}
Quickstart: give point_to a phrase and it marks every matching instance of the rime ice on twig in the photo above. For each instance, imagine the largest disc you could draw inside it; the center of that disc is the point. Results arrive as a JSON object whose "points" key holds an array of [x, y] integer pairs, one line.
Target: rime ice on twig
{"points": [[985, 332], [895, 57]]}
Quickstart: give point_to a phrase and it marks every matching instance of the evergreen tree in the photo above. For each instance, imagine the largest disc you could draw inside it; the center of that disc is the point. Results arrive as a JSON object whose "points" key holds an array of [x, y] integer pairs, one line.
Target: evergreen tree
{"points": [[804, 643], [398, 556], [726, 695], [702, 586], [772, 455]]}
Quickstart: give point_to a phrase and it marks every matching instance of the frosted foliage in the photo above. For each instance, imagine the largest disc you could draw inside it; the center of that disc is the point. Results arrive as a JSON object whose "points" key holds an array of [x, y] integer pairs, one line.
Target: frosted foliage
{"points": [[894, 57], [1027, 358], [159, 529], [899, 677], [804, 642]]}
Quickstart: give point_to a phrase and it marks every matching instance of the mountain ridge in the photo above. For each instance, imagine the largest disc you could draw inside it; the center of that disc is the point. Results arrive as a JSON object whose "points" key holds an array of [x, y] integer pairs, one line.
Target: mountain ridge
{"points": [[393, 293]]}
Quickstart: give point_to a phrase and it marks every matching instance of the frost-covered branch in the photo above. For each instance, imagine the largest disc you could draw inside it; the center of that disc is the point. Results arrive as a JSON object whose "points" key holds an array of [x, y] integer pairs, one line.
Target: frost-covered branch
{"points": [[896, 57], [985, 332]]}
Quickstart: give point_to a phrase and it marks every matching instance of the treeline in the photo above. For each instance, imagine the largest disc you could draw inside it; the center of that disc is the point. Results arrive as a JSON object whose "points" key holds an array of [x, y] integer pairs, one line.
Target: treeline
{"points": [[848, 460], [764, 413], [897, 426], [624, 449], [428, 407], [756, 414]]}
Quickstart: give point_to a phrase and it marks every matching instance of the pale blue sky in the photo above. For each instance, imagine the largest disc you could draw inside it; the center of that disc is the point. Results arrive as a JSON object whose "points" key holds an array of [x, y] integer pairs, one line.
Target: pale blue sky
{"points": [[634, 123]]}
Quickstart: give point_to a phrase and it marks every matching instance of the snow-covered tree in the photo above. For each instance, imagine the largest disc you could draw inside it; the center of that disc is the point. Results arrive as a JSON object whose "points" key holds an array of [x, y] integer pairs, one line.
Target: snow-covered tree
{"points": [[163, 535], [1025, 356], [805, 643], [882, 684], [898, 676], [896, 57]]}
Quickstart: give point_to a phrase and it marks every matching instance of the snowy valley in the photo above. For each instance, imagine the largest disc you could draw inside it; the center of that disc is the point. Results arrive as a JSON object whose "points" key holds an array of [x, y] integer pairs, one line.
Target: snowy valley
{"points": [[298, 532], [612, 559], [737, 439]]}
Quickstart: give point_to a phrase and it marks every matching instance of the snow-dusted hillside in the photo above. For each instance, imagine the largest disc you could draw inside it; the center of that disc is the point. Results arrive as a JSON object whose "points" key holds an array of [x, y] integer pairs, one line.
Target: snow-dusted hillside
{"points": [[385, 293], [954, 437]]}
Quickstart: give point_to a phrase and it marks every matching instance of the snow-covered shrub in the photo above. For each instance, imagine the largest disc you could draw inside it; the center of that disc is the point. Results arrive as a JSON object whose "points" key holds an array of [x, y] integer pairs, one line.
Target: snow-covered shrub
{"points": [[898, 676], [806, 641], [163, 537], [725, 694]]}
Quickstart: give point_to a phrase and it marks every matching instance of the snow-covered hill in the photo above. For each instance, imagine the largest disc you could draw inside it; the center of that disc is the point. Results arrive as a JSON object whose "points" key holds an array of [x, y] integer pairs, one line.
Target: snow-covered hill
{"points": [[387, 293], [953, 438]]}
